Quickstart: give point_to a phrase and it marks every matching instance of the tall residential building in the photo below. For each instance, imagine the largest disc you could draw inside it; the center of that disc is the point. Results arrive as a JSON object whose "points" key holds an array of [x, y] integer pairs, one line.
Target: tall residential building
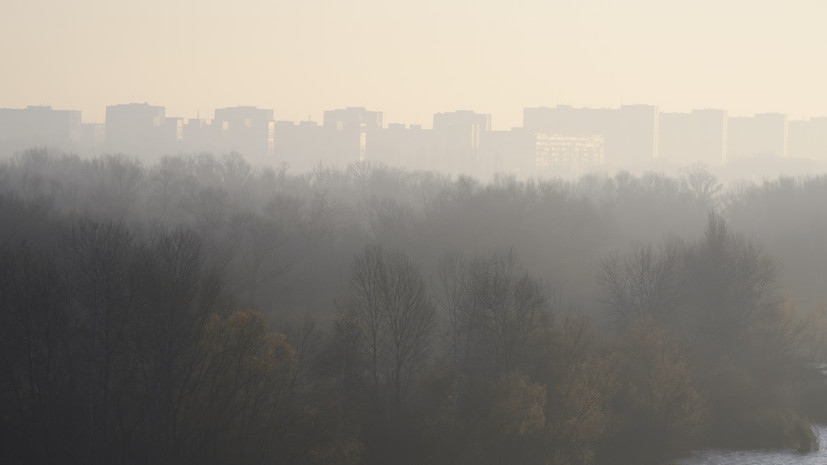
{"points": [[399, 145], [196, 136], [93, 137], [636, 138], [247, 130], [630, 133], [39, 125], [762, 135], [569, 121], [808, 139], [699, 136], [508, 152], [457, 138], [349, 133], [300, 146], [139, 129], [574, 154]]}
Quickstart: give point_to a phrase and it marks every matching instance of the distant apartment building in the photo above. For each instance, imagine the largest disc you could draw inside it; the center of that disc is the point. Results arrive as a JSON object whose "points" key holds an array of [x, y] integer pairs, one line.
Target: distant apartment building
{"points": [[93, 136], [172, 130], [762, 135], [698, 136], [509, 152], [457, 138], [247, 130], [349, 133], [300, 146], [463, 118], [141, 129], [630, 133], [569, 121], [395, 146], [572, 154], [403, 146], [196, 136], [39, 125], [636, 137], [352, 118], [808, 139]]}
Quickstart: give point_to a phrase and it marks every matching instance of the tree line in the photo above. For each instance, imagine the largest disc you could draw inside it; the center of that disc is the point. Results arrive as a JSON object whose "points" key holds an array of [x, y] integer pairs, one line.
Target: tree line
{"points": [[201, 310]]}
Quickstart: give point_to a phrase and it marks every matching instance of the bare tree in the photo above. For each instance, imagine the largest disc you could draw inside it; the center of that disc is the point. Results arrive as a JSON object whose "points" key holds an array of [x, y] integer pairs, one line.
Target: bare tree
{"points": [[393, 317], [514, 306], [97, 260], [495, 314], [642, 284], [36, 359], [701, 185]]}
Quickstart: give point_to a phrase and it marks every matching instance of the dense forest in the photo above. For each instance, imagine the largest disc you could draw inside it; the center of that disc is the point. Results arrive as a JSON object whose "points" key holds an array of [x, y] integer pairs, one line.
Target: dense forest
{"points": [[204, 311]]}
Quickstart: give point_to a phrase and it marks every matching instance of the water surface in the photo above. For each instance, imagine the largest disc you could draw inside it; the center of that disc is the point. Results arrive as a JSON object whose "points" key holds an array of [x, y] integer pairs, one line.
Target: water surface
{"points": [[761, 457]]}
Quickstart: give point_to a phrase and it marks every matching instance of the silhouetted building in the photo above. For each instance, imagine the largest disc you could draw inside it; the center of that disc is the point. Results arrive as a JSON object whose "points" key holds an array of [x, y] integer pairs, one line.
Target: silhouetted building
{"points": [[509, 152], [569, 121], [300, 146], [630, 133], [138, 129], [463, 118], [39, 125], [196, 136], [400, 146], [93, 137], [348, 133], [352, 118], [247, 130], [699, 136], [574, 154], [173, 133], [635, 136], [762, 135], [457, 139], [808, 139]]}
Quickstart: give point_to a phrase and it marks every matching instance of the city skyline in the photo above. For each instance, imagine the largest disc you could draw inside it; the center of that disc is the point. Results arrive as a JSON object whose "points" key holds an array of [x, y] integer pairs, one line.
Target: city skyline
{"points": [[556, 139], [427, 124], [415, 60]]}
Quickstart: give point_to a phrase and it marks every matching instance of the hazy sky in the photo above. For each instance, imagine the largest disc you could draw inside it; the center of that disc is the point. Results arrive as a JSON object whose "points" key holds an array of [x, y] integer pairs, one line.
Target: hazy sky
{"points": [[412, 59]]}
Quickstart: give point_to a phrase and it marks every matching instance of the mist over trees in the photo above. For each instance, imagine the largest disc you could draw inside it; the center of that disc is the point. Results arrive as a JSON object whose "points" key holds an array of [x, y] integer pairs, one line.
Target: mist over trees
{"points": [[203, 310]]}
